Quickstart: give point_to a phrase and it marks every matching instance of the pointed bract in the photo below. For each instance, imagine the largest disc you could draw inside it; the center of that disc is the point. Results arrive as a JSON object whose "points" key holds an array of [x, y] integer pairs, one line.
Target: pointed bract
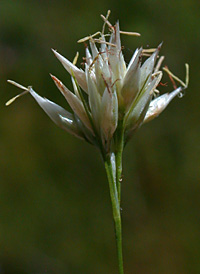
{"points": [[131, 80], [79, 74], [159, 104], [115, 56], [94, 99], [74, 102], [88, 57], [58, 115], [148, 67], [109, 113], [138, 110]]}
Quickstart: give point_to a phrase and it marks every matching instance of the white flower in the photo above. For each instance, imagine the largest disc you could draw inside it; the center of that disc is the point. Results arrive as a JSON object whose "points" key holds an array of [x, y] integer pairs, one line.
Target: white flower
{"points": [[108, 92]]}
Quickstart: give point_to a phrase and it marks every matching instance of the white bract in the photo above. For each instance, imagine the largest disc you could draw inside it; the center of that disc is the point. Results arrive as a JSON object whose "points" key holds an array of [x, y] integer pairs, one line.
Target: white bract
{"points": [[114, 92]]}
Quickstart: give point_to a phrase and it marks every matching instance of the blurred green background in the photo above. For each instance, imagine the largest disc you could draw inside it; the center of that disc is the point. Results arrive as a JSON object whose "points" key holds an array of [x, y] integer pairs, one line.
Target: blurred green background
{"points": [[55, 212]]}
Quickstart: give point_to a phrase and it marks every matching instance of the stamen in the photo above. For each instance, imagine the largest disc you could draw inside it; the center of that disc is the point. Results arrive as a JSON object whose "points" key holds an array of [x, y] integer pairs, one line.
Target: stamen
{"points": [[17, 85], [187, 74], [182, 93], [76, 58], [104, 25], [26, 90], [159, 73], [130, 33], [146, 54], [88, 37], [159, 63], [103, 42], [14, 98], [176, 78], [149, 50], [172, 80], [106, 21]]}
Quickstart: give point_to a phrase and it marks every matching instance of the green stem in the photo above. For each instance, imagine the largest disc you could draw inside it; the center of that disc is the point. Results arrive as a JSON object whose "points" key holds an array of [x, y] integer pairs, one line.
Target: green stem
{"points": [[116, 210], [119, 145]]}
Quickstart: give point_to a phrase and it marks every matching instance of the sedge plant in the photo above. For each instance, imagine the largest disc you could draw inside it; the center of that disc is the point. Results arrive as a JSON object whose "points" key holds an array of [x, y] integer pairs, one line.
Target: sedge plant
{"points": [[110, 101]]}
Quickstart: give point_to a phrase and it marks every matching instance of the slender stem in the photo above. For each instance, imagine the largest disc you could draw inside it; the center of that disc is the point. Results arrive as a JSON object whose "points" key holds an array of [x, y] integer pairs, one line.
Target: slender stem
{"points": [[116, 211], [119, 145]]}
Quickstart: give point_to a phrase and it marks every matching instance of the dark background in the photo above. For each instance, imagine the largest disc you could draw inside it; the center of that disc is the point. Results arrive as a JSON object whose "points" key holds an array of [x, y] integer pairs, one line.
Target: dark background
{"points": [[55, 212]]}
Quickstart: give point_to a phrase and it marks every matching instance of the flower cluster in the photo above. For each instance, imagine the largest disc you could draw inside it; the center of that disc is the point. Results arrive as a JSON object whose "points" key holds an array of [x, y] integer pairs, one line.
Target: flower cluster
{"points": [[108, 93]]}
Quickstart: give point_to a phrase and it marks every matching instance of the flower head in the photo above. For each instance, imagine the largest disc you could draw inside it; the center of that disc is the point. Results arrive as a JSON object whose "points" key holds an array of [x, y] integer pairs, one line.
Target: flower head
{"points": [[108, 92]]}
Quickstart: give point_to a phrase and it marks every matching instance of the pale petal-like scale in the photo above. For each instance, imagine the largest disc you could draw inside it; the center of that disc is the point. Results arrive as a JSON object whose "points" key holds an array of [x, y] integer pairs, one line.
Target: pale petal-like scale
{"points": [[89, 136], [74, 102], [159, 104], [116, 59], [79, 74], [148, 66], [88, 56], [75, 88], [116, 56], [138, 111], [58, 115], [94, 99], [131, 80], [104, 49], [109, 113], [98, 64]]}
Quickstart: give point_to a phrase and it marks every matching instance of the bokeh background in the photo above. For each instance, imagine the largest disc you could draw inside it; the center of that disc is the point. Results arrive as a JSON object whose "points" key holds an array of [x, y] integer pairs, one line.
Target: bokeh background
{"points": [[55, 212]]}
